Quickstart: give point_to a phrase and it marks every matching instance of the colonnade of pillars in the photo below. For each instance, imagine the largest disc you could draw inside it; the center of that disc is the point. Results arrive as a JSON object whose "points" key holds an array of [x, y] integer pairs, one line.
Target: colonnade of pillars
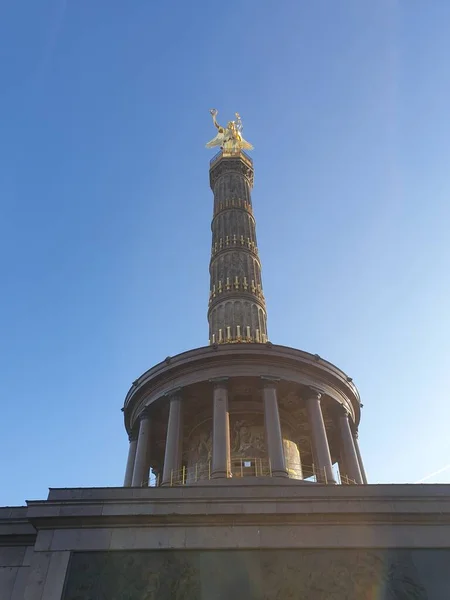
{"points": [[350, 460]]}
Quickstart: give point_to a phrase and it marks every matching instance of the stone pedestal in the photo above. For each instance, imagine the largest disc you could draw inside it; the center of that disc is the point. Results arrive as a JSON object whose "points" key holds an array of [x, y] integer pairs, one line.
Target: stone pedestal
{"points": [[252, 541]]}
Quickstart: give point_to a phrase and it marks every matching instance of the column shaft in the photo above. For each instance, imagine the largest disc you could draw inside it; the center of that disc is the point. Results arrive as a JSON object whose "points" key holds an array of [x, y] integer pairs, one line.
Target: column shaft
{"points": [[274, 438], [221, 431], [130, 462], [343, 471], [360, 460], [321, 450], [348, 446], [140, 471], [174, 441]]}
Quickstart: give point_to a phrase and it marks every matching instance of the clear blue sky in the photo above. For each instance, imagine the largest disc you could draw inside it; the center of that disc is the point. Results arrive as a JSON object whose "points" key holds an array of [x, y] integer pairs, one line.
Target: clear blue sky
{"points": [[106, 208]]}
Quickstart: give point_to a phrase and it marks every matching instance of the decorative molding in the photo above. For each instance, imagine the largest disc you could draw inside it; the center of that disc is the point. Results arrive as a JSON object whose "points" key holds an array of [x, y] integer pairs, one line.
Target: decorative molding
{"points": [[232, 241], [238, 283], [238, 340], [232, 204]]}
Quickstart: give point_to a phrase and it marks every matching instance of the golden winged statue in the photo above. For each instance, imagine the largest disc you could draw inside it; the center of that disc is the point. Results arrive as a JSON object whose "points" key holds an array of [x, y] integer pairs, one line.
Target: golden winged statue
{"points": [[229, 138]]}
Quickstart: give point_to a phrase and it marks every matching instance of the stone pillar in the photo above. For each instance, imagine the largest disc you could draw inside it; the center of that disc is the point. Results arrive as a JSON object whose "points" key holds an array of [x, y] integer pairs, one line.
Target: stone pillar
{"points": [[274, 439], [131, 458], [143, 441], [321, 450], [221, 429], [360, 461], [342, 467], [348, 446], [174, 439]]}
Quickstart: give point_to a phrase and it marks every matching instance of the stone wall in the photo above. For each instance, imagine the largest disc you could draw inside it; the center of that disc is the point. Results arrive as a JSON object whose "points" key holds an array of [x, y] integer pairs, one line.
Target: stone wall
{"points": [[17, 537], [318, 574], [14, 569]]}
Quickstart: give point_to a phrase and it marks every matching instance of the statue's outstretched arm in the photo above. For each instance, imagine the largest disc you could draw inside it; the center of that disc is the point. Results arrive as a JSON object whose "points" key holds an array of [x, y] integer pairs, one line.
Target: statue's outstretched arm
{"points": [[213, 112]]}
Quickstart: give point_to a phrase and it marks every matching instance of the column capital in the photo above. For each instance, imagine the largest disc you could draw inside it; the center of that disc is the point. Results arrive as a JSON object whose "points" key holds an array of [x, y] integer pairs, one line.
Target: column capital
{"points": [[173, 392], [145, 414], [343, 411], [219, 381], [269, 381], [132, 436], [314, 393]]}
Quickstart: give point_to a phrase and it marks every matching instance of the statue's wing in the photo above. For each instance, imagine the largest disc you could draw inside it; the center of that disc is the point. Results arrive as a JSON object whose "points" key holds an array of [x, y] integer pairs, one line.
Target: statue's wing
{"points": [[245, 145], [217, 141]]}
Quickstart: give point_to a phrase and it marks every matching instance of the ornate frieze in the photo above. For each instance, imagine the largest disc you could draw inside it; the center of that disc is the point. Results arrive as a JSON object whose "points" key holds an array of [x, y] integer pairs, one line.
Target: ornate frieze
{"points": [[247, 437]]}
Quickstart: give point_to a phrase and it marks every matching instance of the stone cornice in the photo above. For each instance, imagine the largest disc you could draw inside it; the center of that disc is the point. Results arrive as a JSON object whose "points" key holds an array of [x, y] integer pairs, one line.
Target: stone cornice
{"points": [[268, 503], [250, 360], [15, 527]]}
